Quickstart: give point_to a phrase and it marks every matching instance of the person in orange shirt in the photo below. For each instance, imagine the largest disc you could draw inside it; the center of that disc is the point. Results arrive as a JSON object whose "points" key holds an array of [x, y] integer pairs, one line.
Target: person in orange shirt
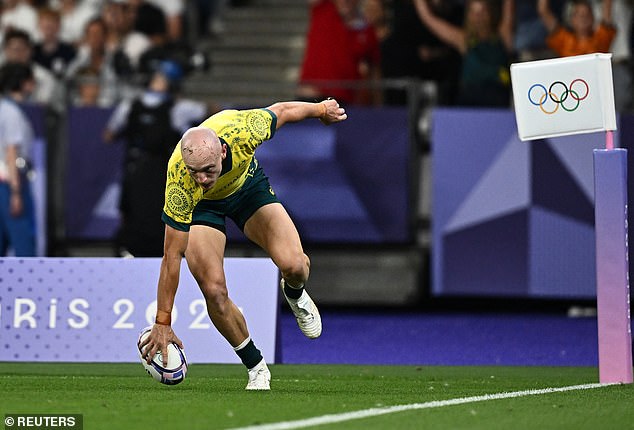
{"points": [[581, 37]]}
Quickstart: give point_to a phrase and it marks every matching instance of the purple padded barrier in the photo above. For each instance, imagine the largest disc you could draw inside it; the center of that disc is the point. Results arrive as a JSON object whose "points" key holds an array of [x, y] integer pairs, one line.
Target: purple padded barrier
{"points": [[613, 299], [510, 218]]}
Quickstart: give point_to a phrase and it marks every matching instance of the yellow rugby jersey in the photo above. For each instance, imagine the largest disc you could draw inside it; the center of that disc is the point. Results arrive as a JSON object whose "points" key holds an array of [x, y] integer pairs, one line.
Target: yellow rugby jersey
{"points": [[242, 131]]}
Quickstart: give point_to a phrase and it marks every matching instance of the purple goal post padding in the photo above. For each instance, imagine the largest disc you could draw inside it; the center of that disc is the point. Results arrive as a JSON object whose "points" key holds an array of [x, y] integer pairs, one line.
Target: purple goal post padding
{"points": [[613, 297]]}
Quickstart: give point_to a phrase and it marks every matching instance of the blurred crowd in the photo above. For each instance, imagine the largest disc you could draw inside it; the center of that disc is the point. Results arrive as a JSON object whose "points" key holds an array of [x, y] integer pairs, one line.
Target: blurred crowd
{"points": [[464, 47], [130, 55], [133, 55], [93, 52]]}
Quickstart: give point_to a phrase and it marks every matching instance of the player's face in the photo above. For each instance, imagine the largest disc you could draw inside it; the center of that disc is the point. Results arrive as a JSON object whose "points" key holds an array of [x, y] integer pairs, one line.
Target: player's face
{"points": [[205, 170]]}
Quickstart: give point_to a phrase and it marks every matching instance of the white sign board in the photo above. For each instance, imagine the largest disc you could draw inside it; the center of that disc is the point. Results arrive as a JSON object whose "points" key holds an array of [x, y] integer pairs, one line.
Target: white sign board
{"points": [[563, 96]]}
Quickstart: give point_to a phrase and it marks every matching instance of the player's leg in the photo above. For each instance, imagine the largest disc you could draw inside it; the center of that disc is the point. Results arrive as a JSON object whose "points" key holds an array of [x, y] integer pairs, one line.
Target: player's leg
{"points": [[204, 255], [272, 229]]}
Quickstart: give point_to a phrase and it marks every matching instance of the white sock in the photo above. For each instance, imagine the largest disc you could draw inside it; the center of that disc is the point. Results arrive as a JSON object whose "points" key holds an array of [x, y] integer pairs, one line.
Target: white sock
{"points": [[243, 344], [299, 287]]}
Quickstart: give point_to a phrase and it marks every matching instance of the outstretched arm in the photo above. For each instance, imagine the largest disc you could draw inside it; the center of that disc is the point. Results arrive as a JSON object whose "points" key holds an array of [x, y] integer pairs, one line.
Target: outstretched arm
{"points": [[162, 333], [327, 111], [444, 30], [507, 24], [606, 13], [546, 14]]}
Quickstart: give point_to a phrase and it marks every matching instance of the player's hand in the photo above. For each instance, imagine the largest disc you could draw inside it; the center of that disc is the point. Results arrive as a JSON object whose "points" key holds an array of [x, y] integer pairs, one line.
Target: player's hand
{"points": [[333, 112], [157, 341]]}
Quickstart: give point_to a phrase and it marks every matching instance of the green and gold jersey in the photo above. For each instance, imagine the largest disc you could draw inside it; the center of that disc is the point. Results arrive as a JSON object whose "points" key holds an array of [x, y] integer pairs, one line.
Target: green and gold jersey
{"points": [[242, 132]]}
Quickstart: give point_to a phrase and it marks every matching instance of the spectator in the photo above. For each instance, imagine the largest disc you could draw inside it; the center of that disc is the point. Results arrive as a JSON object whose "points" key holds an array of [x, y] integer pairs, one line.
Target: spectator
{"points": [[52, 53], [375, 14], [133, 43], [342, 51], [19, 15], [412, 51], [17, 48], [151, 125], [86, 89], [93, 55], [486, 44], [162, 48], [173, 10], [530, 32], [75, 16], [581, 37], [148, 18], [115, 20], [621, 50], [17, 212]]}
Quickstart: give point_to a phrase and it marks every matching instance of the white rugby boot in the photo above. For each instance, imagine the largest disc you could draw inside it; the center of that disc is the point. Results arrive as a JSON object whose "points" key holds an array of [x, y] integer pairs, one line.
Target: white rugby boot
{"points": [[259, 377], [306, 313]]}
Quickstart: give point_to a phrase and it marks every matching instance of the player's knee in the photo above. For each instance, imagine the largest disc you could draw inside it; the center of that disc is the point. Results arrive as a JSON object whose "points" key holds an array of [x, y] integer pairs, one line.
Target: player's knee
{"points": [[296, 268]]}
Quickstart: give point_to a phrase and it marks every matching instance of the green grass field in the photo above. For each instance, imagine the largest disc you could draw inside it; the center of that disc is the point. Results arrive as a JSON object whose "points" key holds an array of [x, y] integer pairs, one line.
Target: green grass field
{"points": [[123, 396]]}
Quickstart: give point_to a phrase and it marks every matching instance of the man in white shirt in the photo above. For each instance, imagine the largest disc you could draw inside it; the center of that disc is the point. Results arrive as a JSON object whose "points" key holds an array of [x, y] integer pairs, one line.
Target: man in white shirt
{"points": [[17, 214]]}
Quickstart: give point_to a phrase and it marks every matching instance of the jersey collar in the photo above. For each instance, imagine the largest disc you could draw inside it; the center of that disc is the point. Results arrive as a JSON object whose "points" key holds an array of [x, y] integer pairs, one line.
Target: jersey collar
{"points": [[227, 162]]}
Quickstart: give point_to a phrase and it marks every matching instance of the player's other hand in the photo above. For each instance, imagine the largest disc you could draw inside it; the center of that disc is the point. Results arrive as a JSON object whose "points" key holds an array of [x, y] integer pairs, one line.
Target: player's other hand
{"points": [[160, 336], [333, 112]]}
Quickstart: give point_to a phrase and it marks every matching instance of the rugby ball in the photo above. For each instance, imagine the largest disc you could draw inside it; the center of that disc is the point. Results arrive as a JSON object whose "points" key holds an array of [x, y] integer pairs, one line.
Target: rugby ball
{"points": [[176, 368]]}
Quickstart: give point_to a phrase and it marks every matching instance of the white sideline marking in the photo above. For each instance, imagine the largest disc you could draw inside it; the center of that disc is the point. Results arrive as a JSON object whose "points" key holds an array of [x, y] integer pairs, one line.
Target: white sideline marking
{"points": [[373, 412]]}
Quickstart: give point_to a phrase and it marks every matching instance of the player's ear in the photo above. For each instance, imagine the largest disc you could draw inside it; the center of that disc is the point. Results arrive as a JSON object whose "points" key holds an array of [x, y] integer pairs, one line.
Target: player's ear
{"points": [[223, 154]]}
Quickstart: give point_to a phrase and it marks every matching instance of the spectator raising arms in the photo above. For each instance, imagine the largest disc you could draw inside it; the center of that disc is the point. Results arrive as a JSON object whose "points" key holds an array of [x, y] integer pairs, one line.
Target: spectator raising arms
{"points": [[485, 43], [581, 37]]}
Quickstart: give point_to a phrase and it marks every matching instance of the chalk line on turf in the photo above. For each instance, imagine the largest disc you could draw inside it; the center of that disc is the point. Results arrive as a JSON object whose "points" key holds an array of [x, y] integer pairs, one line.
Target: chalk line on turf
{"points": [[373, 412]]}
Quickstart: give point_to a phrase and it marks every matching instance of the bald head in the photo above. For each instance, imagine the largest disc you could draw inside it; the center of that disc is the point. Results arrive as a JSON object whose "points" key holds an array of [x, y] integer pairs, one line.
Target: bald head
{"points": [[203, 153], [199, 143]]}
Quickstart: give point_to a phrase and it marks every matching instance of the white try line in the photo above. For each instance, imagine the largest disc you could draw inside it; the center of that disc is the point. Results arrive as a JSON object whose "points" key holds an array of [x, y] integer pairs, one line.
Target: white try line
{"points": [[373, 412]]}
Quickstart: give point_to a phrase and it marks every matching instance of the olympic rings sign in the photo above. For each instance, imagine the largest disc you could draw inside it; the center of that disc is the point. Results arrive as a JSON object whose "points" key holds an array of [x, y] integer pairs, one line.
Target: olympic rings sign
{"points": [[567, 96]]}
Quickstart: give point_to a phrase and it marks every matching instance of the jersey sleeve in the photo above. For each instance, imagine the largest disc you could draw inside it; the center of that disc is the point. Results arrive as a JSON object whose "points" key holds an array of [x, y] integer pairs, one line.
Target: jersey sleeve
{"points": [[259, 126], [181, 194], [243, 130]]}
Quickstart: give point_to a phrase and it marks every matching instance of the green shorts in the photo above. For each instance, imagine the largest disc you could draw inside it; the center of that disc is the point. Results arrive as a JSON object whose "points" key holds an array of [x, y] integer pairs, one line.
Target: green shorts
{"points": [[255, 193]]}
